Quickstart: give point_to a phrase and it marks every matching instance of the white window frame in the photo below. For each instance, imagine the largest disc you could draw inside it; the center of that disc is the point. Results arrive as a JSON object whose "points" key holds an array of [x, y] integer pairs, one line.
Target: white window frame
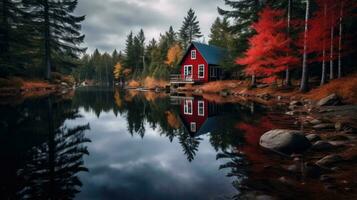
{"points": [[213, 71], [187, 110], [201, 105], [203, 70], [193, 54], [185, 72], [193, 127]]}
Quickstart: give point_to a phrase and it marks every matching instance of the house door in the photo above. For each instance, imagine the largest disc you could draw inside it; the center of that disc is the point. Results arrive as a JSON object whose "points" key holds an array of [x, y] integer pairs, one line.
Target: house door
{"points": [[188, 72]]}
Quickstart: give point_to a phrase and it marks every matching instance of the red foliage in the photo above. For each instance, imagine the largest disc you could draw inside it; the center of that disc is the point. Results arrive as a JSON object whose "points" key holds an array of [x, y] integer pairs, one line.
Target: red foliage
{"points": [[326, 17], [252, 132], [269, 51]]}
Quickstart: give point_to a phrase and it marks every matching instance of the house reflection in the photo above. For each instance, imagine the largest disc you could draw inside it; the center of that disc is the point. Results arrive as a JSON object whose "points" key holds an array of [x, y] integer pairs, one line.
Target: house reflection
{"points": [[198, 116]]}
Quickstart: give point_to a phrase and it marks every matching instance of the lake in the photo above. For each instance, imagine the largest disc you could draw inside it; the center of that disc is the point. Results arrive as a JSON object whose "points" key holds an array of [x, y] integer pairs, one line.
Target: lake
{"points": [[111, 144]]}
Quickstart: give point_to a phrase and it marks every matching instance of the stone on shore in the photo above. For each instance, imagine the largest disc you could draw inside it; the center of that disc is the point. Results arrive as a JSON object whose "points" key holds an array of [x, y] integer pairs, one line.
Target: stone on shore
{"points": [[321, 145], [329, 160], [330, 100], [285, 141], [313, 137]]}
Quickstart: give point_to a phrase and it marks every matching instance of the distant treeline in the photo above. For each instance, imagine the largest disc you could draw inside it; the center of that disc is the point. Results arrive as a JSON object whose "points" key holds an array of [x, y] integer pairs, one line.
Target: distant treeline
{"points": [[155, 58]]}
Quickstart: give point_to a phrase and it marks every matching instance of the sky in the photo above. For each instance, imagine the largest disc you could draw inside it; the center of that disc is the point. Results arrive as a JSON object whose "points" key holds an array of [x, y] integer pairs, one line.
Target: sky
{"points": [[108, 22]]}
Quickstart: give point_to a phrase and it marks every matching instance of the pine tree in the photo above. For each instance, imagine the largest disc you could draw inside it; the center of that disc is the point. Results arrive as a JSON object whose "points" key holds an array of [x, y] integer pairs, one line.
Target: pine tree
{"points": [[59, 30], [171, 36], [129, 51], [15, 35], [190, 29], [216, 33], [244, 13]]}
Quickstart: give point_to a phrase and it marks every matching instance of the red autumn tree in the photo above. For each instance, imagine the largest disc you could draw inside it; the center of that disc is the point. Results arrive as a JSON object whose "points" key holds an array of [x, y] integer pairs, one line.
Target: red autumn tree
{"points": [[323, 44], [269, 52]]}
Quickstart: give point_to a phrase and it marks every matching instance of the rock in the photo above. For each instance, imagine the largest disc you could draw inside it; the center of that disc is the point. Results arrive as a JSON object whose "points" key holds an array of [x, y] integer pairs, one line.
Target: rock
{"points": [[338, 138], [312, 170], [295, 103], [321, 145], [293, 168], [350, 154], [290, 113], [313, 137], [324, 126], [329, 160], [285, 141], [264, 197], [315, 121], [330, 100], [266, 96], [224, 93], [330, 186], [326, 178], [285, 180], [262, 85], [338, 126], [64, 84]]}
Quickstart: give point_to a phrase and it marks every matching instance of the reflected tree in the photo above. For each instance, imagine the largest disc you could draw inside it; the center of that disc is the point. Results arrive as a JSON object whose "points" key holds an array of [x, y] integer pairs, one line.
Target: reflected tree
{"points": [[238, 165], [52, 171], [189, 144], [47, 165]]}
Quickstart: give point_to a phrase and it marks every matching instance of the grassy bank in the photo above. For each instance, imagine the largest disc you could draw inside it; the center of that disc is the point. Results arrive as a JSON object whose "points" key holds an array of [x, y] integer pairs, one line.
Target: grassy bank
{"points": [[28, 87], [148, 83], [344, 87]]}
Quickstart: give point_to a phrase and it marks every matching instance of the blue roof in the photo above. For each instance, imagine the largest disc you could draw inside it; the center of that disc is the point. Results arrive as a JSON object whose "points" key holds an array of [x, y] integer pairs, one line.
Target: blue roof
{"points": [[212, 54]]}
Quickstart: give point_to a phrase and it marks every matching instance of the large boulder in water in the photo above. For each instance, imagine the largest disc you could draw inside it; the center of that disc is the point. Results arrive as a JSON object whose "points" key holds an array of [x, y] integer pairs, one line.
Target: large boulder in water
{"points": [[330, 100], [285, 141]]}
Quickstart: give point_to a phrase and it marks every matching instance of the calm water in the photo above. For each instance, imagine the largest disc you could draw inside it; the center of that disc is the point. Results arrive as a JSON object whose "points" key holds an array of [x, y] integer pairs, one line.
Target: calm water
{"points": [[105, 144]]}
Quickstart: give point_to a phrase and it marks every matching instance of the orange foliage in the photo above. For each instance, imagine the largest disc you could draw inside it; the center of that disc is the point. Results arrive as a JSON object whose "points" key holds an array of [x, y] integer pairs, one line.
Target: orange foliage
{"points": [[117, 99], [36, 84], [152, 83], [172, 120], [346, 87], [152, 96], [133, 84], [173, 55], [130, 94], [217, 86]]}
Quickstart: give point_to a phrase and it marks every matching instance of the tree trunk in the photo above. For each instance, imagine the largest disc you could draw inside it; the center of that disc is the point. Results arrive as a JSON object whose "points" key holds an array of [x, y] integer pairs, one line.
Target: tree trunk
{"points": [[323, 70], [305, 76], [51, 149], [253, 80], [331, 50], [287, 72], [47, 41], [340, 43]]}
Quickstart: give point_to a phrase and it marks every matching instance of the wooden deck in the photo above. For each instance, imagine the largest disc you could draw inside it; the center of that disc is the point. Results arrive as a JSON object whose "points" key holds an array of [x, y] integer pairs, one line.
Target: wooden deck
{"points": [[177, 79]]}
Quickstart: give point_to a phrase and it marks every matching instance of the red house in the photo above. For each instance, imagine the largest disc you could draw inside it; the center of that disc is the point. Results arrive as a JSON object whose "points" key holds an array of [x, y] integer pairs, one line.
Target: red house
{"points": [[200, 63]]}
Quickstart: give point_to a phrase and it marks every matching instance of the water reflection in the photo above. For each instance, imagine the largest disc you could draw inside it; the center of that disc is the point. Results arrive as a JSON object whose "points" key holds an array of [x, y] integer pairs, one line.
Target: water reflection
{"points": [[41, 158], [144, 146]]}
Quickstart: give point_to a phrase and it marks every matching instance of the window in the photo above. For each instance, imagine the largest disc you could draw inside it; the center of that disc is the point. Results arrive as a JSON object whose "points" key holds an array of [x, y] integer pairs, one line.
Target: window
{"points": [[187, 108], [187, 72], [193, 126], [213, 71], [201, 108], [201, 71], [193, 54]]}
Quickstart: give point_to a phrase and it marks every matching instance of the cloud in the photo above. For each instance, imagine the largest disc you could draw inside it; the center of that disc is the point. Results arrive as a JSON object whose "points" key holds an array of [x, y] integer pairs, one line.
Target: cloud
{"points": [[109, 21]]}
